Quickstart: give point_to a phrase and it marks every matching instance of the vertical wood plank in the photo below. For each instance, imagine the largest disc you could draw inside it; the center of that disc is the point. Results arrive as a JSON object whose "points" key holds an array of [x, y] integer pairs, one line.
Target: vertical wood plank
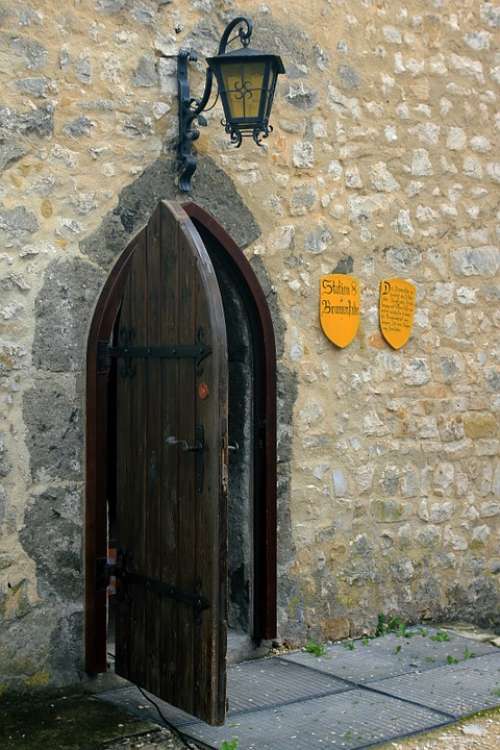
{"points": [[211, 525], [123, 470], [169, 279], [100, 528], [154, 455], [186, 491], [139, 452]]}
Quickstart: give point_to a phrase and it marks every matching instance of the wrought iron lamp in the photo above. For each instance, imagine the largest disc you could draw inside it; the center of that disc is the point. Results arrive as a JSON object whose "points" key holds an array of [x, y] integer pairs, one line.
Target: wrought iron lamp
{"points": [[246, 80]]}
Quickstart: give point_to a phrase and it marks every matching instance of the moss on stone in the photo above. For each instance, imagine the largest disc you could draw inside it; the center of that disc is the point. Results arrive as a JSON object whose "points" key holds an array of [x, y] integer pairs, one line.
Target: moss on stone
{"points": [[64, 721]]}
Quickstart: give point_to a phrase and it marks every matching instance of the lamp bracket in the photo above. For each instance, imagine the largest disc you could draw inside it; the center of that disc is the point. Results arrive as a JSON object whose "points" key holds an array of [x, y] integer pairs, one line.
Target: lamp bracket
{"points": [[190, 108]]}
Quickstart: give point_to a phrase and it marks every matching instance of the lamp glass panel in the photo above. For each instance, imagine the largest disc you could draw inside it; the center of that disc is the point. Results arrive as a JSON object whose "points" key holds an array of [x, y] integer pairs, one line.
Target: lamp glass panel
{"points": [[273, 76], [243, 86]]}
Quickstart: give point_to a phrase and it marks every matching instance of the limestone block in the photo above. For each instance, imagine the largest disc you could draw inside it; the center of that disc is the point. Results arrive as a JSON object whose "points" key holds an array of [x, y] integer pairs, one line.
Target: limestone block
{"points": [[17, 223], [302, 97], [479, 425], [318, 240], [63, 307], [339, 483], [52, 537], [429, 537], [5, 465], [35, 87], [6, 558], [78, 127], [480, 535], [10, 152], [490, 14], [349, 77], [435, 512], [416, 372], [303, 200], [83, 68], [421, 165], [110, 6], [457, 139], [403, 258], [389, 511], [381, 179], [145, 75], [478, 40], [32, 52], [39, 120], [54, 431], [303, 154], [476, 261], [493, 170]]}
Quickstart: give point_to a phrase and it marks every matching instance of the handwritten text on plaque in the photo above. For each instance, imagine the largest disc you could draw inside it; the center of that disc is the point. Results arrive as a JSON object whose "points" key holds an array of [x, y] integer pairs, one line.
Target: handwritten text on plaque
{"points": [[339, 308], [396, 311]]}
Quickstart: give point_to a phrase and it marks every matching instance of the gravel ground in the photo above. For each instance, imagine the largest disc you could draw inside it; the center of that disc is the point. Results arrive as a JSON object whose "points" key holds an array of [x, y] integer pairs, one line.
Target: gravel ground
{"points": [[160, 740], [479, 733]]}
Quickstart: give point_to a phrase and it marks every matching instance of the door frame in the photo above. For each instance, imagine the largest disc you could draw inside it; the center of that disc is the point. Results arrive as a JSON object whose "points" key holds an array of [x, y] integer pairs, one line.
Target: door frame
{"points": [[265, 513]]}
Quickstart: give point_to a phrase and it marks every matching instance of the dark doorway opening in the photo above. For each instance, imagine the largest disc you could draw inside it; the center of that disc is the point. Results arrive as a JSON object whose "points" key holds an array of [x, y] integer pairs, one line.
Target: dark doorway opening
{"points": [[241, 384], [252, 426], [251, 555]]}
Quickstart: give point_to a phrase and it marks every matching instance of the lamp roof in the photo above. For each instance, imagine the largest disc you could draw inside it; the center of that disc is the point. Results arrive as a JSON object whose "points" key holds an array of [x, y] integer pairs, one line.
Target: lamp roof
{"points": [[247, 54]]}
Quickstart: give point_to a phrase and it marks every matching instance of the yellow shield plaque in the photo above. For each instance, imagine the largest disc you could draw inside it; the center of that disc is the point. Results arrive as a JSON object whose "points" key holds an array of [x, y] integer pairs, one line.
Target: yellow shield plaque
{"points": [[396, 311], [339, 305]]}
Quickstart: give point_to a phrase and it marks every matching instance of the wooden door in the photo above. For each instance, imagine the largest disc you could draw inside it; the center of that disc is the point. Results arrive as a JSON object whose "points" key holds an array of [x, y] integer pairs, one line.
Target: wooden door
{"points": [[171, 448]]}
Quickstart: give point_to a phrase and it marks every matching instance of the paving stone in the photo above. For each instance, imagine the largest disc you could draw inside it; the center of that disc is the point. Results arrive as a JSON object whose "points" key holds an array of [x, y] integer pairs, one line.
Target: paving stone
{"points": [[353, 665], [391, 655], [270, 682], [347, 720], [459, 690]]}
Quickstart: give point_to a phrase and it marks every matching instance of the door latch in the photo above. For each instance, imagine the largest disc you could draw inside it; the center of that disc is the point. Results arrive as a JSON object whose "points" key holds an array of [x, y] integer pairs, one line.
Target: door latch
{"points": [[183, 444], [198, 447]]}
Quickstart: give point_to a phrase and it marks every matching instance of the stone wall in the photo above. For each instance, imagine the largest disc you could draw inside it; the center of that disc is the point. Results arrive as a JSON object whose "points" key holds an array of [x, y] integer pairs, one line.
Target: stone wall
{"points": [[382, 162]]}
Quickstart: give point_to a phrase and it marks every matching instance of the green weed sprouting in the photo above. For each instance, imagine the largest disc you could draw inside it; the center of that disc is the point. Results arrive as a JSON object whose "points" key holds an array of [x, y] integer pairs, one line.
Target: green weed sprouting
{"points": [[440, 636], [230, 745], [393, 625], [318, 649]]}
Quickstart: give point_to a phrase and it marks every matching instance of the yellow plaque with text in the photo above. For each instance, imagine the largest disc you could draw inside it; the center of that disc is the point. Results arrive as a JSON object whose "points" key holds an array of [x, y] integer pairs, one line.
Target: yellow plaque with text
{"points": [[396, 311], [339, 308]]}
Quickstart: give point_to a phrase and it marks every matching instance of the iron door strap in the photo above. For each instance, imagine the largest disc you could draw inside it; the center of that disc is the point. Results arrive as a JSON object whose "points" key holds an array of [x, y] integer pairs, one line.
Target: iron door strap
{"points": [[105, 353], [193, 599], [104, 570], [176, 351]]}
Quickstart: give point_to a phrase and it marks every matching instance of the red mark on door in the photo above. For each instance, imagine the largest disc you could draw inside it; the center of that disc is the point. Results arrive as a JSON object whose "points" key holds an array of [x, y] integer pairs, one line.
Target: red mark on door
{"points": [[203, 391]]}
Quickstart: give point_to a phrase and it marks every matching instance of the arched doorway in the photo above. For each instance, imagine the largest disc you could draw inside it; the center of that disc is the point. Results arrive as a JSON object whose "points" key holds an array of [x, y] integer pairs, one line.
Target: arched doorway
{"points": [[252, 434]]}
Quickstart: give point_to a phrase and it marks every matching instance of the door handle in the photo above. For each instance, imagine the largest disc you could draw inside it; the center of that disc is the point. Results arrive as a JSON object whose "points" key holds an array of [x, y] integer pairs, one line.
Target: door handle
{"points": [[184, 445], [198, 448], [234, 447]]}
